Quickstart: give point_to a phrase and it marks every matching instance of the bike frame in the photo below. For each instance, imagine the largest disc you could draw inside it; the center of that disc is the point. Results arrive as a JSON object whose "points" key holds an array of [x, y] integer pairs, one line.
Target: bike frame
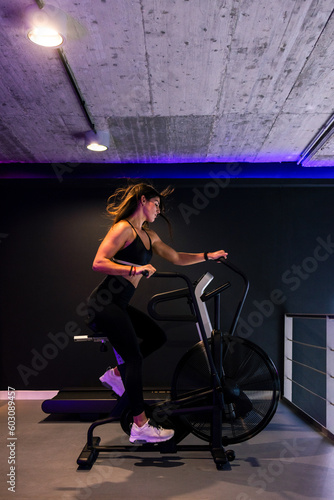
{"points": [[198, 298]]}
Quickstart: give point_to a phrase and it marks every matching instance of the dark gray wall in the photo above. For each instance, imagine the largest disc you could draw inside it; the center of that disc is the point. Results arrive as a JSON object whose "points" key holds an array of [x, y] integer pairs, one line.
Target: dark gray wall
{"points": [[281, 236]]}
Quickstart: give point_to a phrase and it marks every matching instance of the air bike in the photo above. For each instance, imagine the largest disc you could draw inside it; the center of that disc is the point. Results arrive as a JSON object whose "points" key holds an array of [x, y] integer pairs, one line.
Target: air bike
{"points": [[224, 390]]}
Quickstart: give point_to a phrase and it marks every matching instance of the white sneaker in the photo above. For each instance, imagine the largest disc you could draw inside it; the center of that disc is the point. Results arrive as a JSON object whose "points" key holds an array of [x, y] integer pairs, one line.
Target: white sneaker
{"points": [[149, 433], [110, 380]]}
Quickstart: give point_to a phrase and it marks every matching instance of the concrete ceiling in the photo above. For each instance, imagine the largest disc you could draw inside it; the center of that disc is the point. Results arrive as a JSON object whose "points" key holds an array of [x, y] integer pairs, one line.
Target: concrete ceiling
{"points": [[173, 81]]}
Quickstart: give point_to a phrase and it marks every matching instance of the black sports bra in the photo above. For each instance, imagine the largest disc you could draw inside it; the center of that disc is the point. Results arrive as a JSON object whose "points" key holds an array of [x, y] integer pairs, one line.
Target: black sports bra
{"points": [[136, 252]]}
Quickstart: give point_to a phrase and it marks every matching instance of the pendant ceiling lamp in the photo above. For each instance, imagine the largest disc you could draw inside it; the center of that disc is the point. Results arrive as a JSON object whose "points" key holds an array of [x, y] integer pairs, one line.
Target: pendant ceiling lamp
{"points": [[97, 141], [47, 26]]}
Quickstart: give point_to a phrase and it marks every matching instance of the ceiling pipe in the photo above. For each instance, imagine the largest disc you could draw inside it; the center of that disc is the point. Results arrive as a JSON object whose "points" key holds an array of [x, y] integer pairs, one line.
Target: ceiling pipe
{"points": [[319, 140], [76, 88]]}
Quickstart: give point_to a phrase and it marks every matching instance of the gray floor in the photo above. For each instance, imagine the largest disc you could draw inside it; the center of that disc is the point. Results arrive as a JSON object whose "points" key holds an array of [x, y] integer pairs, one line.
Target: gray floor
{"points": [[289, 460]]}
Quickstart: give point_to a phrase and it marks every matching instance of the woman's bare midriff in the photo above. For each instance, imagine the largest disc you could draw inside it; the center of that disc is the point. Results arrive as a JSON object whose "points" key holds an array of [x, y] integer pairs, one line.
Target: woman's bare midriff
{"points": [[134, 280]]}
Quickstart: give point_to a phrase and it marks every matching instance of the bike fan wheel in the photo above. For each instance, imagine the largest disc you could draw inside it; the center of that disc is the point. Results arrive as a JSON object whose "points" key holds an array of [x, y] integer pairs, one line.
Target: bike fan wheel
{"points": [[251, 389]]}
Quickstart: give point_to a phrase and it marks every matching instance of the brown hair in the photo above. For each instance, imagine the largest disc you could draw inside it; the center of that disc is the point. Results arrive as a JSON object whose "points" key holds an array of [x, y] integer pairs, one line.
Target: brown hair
{"points": [[124, 201]]}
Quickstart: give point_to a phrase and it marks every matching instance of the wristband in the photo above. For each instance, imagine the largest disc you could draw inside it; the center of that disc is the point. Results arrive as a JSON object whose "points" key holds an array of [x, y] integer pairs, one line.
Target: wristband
{"points": [[206, 256], [130, 273], [134, 271]]}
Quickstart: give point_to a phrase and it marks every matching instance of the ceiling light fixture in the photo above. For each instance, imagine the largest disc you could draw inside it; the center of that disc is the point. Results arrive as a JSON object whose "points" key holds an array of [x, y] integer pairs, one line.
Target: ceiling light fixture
{"points": [[97, 141], [47, 26]]}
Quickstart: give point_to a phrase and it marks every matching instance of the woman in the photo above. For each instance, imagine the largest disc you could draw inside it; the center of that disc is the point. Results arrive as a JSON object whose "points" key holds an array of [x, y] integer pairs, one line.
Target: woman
{"points": [[124, 255]]}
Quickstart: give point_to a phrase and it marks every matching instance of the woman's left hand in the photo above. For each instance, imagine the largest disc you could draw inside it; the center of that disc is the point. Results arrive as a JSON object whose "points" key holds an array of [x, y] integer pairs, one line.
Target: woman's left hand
{"points": [[217, 255]]}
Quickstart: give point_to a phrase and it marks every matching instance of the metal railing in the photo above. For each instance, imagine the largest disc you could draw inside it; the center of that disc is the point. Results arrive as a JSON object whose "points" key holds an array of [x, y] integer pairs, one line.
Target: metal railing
{"points": [[309, 366]]}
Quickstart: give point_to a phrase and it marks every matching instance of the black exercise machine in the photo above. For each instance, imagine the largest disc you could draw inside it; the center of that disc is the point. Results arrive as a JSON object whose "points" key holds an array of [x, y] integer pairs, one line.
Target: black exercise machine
{"points": [[225, 389]]}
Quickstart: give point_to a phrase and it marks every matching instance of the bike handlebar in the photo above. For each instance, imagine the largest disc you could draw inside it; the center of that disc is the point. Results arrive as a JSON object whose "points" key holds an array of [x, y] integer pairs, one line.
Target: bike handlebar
{"points": [[244, 293], [220, 261], [189, 292]]}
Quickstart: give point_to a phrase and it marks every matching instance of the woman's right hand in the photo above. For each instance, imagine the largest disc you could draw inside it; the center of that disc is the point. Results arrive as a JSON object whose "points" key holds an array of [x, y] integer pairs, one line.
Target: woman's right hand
{"points": [[147, 270]]}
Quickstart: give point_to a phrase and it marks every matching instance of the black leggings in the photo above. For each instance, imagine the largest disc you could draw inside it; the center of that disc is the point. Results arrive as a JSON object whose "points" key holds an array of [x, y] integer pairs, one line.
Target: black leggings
{"points": [[124, 325]]}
